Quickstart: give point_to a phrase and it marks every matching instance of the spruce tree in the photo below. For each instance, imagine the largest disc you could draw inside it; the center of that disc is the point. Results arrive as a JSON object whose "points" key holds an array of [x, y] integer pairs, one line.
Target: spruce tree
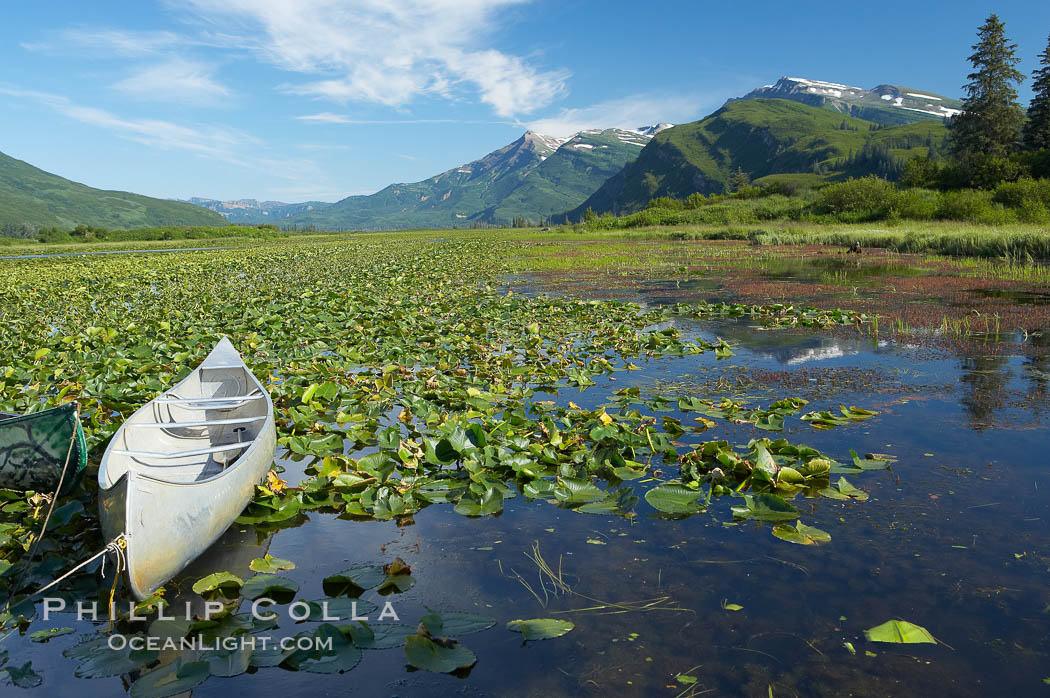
{"points": [[1036, 134], [990, 123]]}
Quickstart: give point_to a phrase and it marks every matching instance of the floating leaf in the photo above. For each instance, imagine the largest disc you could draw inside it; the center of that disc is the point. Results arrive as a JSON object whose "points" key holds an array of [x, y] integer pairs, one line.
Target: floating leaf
{"points": [[167, 680], [801, 534], [765, 507], [428, 655], [354, 581], [455, 623], [45, 635], [541, 628], [269, 585], [675, 499], [899, 631], [229, 663], [223, 583], [100, 660], [23, 676], [268, 564]]}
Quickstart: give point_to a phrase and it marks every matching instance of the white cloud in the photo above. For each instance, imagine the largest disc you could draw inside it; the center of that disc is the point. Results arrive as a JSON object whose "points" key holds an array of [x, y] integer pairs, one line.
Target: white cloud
{"points": [[175, 80], [110, 42], [215, 142], [326, 117], [386, 52], [628, 112]]}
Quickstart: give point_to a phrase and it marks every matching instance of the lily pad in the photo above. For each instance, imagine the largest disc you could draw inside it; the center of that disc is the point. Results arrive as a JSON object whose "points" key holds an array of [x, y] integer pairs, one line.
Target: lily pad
{"points": [[378, 636], [271, 586], [455, 623], [541, 628], [24, 676], [167, 680], [424, 653], [45, 635], [675, 499], [354, 581], [801, 534], [219, 583], [268, 564], [900, 632], [101, 661]]}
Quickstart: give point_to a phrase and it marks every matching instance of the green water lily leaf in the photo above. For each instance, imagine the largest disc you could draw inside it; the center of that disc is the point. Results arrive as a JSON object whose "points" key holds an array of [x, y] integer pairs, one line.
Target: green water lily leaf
{"points": [[332, 653], [354, 581], [101, 661], [541, 628], [167, 680], [801, 534], [339, 608], [765, 507], [899, 631], [456, 623], [45, 635], [378, 636], [269, 585], [675, 499], [424, 653], [397, 578], [218, 583], [23, 676], [577, 491], [229, 663], [268, 564]]}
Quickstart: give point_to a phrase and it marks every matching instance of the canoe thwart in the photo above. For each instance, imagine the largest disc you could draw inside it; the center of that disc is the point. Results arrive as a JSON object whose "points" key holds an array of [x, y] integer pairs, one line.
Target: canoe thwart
{"points": [[209, 423], [165, 455]]}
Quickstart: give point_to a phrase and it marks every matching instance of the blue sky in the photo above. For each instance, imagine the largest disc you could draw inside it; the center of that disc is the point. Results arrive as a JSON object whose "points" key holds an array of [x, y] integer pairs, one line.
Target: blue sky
{"points": [[318, 99]]}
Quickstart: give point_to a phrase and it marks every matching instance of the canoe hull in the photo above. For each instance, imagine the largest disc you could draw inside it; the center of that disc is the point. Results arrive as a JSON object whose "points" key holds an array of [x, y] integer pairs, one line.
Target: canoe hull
{"points": [[168, 525], [33, 449], [172, 507]]}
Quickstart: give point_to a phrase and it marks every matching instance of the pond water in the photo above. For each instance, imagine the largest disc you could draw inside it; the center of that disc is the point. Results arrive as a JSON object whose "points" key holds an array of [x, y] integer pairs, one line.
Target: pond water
{"points": [[954, 538]]}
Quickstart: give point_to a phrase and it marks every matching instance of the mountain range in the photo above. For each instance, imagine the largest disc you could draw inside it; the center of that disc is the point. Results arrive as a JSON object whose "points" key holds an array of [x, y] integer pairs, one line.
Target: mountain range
{"points": [[532, 178], [802, 130], [883, 104], [253, 211]]}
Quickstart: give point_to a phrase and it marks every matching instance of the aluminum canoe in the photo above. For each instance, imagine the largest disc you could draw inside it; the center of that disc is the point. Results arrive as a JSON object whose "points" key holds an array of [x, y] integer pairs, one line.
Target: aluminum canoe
{"points": [[183, 467]]}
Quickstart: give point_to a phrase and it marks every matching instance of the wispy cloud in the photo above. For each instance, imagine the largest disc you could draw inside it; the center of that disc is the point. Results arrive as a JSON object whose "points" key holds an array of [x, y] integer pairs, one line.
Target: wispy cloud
{"points": [[330, 118], [628, 112], [175, 80], [105, 42], [386, 53], [216, 142]]}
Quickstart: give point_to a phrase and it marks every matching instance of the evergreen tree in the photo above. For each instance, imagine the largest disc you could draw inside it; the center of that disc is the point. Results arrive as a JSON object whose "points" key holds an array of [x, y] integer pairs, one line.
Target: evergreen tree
{"points": [[990, 123], [1036, 134], [739, 180]]}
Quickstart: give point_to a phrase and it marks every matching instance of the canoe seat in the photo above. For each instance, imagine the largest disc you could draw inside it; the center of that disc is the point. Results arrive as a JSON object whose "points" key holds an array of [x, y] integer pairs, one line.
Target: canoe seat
{"points": [[169, 455], [208, 423], [210, 403]]}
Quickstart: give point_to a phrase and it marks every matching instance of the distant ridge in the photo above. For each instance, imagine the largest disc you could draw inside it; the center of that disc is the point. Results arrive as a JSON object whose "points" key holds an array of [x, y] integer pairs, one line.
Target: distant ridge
{"points": [[30, 196], [254, 211], [883, 104], [533, 177]]}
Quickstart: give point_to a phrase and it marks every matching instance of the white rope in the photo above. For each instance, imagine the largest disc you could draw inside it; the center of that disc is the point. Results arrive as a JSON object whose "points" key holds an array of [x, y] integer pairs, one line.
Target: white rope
{"points": [[114, 546]]}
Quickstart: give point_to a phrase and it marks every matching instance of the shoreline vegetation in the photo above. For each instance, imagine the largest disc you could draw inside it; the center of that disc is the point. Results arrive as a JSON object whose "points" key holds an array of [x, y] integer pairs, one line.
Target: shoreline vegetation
{"points": [[1015, 243]]}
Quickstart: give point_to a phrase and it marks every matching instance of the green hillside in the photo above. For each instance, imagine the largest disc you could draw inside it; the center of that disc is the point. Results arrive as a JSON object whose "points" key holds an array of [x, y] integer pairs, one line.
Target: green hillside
{"points": [[762, 137], [28, 195], [565, 179]]}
